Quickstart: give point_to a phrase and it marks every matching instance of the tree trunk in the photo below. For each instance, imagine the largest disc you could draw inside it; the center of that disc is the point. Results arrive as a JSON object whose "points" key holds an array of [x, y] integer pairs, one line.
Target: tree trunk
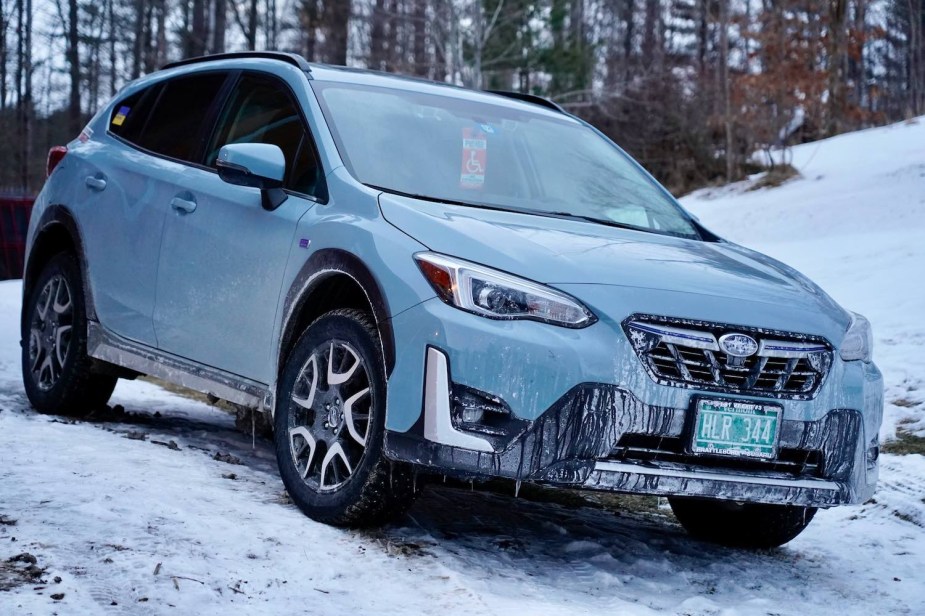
{"points": [[160, 48], [337, 25], [73, 60], [3, 57], [309, 19], [650, 32], [270, 24], [198, 36], [111, 16], [221, 24], [421, 65], [138, 48], [726, 89], [629, 20], [252, 25], [24, 91], [838, 11], [377, 36]]}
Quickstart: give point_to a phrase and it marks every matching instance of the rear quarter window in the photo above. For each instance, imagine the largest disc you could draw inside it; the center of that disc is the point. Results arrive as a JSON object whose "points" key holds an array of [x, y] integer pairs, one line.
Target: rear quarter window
{"points": [[169, 118], [129, 115]]}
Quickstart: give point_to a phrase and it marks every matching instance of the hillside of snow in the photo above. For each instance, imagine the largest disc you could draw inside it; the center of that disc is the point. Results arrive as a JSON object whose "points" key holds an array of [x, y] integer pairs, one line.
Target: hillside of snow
{"points": [[160, 507], [854, 222]]}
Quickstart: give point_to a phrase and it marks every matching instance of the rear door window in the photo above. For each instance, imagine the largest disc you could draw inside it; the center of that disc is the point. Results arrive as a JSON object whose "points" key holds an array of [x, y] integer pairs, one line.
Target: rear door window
{"points": [[177, 123], [262, 110]]}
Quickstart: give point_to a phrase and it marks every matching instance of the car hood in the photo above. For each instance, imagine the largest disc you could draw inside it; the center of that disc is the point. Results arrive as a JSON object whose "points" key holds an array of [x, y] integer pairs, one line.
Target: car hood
{"points": [[562, 252]]}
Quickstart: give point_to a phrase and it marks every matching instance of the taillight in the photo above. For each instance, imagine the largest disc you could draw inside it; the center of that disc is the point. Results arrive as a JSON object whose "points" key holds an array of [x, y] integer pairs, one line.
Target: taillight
{"points": [[55, 156]]}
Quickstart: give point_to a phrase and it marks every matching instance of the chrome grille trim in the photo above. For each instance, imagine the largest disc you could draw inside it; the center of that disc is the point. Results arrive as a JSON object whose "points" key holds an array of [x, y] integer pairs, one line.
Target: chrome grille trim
{"points": [[685, 353]]}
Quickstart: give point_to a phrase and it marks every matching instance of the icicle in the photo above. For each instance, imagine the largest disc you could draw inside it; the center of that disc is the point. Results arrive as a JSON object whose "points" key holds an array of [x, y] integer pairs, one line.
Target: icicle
{"points": [[517, 488], [253, 429]]}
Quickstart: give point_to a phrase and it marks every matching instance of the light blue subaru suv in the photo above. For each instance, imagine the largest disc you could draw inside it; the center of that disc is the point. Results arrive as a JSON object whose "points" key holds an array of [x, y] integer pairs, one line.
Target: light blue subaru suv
{"points": [[411, 277]]}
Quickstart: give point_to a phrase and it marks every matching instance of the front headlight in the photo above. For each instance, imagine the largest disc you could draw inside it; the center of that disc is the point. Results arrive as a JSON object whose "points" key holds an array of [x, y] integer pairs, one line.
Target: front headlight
{"points": [[859, 340], [496, 295]]}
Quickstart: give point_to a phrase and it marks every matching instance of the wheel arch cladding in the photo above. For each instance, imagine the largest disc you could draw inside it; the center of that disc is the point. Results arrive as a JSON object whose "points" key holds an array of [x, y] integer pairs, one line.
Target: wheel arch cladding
{"points": [[331, 279], [57, 232]]}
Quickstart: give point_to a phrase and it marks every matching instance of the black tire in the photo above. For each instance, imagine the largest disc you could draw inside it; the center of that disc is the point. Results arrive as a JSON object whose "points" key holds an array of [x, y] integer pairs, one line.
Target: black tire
{"points": [[353, 486], [741, 525], [67, 387]]}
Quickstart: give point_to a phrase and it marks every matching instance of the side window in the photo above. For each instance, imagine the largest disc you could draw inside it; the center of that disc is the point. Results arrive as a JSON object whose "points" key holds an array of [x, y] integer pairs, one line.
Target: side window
{"points": [[173, 127], [261, 110], [130, 114]]}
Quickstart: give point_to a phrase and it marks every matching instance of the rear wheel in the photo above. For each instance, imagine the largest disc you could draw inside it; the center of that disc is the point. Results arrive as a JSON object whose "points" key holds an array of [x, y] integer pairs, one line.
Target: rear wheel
{"points": [[744, 525], [57, 372], [330, 422]]}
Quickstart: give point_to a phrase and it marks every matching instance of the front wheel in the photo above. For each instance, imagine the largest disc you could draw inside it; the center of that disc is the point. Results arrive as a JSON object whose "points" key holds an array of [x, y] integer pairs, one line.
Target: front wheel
{"points": [[743, 525], [57, 373], [330, 422]]}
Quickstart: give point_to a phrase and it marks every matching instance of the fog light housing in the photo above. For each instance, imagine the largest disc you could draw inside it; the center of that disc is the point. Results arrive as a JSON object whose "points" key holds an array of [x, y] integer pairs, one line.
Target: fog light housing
{"points": [[488, 415], [471, 414], [873, 453]]}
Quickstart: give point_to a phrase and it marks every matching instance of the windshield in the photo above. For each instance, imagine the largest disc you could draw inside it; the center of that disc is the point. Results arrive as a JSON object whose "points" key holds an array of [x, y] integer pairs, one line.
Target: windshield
{"points": [[505, 156]]}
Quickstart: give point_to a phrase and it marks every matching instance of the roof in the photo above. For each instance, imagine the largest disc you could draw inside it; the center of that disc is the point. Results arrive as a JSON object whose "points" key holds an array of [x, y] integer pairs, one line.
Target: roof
{"points": [[357, 75]]}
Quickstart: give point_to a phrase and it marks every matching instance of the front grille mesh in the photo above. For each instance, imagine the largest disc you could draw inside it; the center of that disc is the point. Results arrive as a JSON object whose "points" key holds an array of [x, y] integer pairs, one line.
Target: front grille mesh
{"points": [[672, 355]]}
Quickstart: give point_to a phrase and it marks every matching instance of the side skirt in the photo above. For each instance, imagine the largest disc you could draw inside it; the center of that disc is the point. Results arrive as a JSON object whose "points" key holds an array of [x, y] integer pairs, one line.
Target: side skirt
{"points": [[109, 347]]}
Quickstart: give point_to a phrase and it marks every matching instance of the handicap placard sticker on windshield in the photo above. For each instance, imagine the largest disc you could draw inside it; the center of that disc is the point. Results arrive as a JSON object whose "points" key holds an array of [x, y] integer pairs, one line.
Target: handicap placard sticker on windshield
{"points": [[474, 159]]}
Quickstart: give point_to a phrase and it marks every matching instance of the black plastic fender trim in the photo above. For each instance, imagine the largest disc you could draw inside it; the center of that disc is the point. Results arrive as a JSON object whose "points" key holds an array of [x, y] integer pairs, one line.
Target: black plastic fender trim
{"points": [[321, 266], [59, 215]]}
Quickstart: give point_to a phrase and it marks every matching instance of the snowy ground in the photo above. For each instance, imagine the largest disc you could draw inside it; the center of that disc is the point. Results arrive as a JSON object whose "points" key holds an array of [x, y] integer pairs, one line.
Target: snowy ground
{"points": [[131, 513]]}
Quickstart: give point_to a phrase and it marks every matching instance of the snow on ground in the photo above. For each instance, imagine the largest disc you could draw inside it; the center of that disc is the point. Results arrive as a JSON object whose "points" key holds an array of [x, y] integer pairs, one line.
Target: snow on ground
{"points": [[131, 513], [854, 223]]}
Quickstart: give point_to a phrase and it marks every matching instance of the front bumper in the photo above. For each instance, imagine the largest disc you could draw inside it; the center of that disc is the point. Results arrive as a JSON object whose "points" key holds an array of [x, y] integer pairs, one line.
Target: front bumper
{"points": [[589, 439], [618, 432]]}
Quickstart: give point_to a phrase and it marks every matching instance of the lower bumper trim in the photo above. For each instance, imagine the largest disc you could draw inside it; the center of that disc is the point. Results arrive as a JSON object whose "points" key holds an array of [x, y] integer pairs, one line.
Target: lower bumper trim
{"points": [[622, 467], [670, 481]]}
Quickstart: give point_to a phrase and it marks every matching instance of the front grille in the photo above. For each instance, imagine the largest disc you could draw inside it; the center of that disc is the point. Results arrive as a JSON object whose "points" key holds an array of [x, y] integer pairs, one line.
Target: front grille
{"points": [[688, 353], [649, 448]]}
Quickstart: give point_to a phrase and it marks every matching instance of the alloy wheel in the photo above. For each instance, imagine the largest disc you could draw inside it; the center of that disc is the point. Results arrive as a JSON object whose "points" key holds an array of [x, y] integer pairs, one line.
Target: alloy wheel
{"points": [[50, 332], [329, 416]]}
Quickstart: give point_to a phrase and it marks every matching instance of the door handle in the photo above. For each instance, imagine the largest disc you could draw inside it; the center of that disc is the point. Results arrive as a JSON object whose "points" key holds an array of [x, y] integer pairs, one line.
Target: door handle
{"points": [[183, 205], [95, 182]]}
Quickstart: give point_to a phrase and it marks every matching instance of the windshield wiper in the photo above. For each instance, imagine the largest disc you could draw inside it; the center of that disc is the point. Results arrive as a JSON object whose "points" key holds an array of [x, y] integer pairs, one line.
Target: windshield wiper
{"points": [[531, 211], [483, 206], [622, 225], [402, 193], [600, 221]]}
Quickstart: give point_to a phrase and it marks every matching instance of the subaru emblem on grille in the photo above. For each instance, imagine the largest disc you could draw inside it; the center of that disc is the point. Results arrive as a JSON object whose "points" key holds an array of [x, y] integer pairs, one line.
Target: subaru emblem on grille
{"points": [[738, 345]]}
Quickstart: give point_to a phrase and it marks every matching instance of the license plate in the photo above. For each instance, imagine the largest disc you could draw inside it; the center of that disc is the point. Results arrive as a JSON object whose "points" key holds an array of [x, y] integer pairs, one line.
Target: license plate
{"points": [[734, 428]]}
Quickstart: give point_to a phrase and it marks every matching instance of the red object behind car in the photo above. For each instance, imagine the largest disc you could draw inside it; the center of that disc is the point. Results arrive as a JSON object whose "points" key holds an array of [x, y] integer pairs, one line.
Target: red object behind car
{"points": [[14, 222]]}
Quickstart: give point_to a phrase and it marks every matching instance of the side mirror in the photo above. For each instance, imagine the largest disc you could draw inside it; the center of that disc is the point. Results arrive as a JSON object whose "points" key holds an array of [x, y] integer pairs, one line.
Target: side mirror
{"points": [[257, 165]]}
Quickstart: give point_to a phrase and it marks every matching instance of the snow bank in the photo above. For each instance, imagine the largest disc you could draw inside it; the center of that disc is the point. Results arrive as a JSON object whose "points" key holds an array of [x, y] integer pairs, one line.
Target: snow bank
{"points": [[855, 223]]}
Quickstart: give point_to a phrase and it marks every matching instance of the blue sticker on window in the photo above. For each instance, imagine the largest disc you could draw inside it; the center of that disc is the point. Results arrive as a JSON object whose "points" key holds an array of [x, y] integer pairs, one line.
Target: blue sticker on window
{"points": [[120, 116]]}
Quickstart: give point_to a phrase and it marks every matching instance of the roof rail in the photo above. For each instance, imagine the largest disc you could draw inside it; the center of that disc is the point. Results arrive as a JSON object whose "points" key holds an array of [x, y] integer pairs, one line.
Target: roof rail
{"points": [[291, 58], [529, 98]]}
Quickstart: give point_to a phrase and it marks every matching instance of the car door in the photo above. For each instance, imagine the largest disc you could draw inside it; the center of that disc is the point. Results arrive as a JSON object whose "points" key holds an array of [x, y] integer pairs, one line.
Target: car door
{"points": [[223, 256], [126, 176]]}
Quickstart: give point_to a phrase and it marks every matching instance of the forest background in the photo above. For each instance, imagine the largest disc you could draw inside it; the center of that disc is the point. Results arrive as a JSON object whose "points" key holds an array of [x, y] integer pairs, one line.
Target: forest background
{"points": [[691, 88]]}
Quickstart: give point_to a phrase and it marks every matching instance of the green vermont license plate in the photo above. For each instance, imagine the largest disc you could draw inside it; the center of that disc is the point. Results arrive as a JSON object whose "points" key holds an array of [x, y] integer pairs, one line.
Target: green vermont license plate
{"points": [[733, 428]]}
